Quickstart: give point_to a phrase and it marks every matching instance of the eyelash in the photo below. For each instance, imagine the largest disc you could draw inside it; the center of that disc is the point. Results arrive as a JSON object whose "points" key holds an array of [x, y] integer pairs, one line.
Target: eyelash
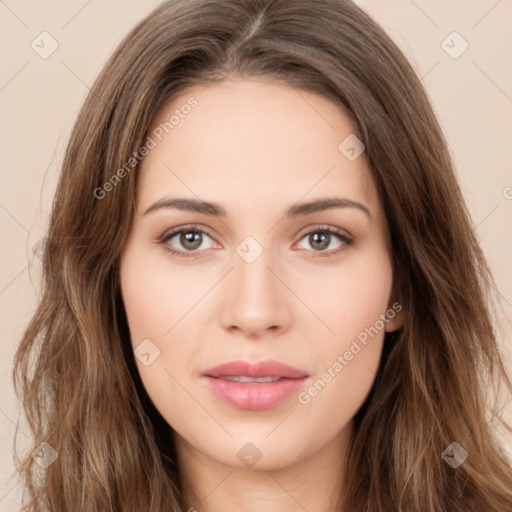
{"points": [[346, 240]]}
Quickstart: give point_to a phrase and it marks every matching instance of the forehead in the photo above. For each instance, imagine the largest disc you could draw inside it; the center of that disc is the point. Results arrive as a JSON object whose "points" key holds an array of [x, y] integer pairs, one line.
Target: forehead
{"points": [[258, 139]]}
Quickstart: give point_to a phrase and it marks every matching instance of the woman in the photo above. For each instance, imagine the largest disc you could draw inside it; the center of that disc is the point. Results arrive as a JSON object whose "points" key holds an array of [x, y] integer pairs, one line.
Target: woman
{"points": [[194, 348]]}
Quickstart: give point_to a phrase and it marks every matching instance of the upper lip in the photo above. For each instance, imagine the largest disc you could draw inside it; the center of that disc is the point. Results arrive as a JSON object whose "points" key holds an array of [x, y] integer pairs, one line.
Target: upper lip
{"points": [[269, 368]]}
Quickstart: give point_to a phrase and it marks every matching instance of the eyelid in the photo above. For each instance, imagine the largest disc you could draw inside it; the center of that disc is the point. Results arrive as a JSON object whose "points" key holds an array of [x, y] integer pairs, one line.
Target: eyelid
{"points": [[324, 227], [187, 227]]}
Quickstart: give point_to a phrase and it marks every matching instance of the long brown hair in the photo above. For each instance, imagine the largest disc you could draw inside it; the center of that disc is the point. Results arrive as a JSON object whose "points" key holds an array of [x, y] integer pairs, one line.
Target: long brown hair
{"points": [[74, 371]]}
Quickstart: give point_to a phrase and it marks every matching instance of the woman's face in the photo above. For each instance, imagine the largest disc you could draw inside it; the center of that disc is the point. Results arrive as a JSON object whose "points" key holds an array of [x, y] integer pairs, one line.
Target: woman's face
{"points": [[257, 275]]}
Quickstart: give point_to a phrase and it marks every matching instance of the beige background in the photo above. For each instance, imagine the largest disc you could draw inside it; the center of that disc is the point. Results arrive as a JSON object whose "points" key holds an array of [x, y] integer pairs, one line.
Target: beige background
{"points": [[39, 99]]}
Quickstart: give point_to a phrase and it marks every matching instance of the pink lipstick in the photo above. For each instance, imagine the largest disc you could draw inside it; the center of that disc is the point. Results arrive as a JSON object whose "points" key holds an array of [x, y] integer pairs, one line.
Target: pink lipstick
{"points": [[261, 385]]}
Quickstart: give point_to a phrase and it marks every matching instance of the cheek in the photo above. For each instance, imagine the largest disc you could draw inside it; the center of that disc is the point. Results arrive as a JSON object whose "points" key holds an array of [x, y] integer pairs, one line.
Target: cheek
{"points": [[159, 303], [156, 295], [352, 303], [348, 299]]}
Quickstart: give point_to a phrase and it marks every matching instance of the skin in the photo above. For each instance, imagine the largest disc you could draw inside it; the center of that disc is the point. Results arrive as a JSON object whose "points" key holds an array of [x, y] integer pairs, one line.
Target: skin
{"points": [[257, 148]]}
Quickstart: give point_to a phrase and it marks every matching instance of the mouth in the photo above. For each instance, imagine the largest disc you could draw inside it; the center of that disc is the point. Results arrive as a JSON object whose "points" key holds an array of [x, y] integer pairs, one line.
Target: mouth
{"points": [[254, 386]]}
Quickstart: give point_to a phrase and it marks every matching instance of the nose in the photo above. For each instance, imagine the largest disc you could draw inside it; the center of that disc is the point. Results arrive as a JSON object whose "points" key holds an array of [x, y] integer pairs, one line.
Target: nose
{"points": [[256, 302]]}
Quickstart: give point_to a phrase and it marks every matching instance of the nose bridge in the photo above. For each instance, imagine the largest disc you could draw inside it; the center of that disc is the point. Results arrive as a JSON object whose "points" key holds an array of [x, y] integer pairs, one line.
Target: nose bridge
{"points": [[255, 301], [253, 279]]}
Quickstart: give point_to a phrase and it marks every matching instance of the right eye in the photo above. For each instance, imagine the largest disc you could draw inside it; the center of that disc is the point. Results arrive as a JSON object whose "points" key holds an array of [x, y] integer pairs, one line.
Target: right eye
{"points": [[191, 239]]}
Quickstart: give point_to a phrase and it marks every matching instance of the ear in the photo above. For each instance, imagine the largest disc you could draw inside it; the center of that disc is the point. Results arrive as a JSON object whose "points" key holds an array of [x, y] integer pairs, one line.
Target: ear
{"points": [[395, 312]]}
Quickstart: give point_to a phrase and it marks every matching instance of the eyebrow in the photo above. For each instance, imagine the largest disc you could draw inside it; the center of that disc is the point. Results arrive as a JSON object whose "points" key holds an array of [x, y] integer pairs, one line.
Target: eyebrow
{"points": [[215, 210]]}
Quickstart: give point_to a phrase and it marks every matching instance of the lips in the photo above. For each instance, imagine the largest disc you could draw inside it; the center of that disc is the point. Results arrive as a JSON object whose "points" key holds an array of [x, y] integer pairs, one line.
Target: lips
{"points": [[268, 368], [254, 386]]}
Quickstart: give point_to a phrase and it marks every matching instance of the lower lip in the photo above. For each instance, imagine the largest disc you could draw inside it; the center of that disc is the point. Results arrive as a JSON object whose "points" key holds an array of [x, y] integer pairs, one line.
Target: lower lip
{"points": [[263, 395]]}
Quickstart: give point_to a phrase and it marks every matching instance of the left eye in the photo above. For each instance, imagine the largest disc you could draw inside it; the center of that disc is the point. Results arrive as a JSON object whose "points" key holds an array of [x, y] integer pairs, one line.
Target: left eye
{"points": [[192, 238], [322, 238]]}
